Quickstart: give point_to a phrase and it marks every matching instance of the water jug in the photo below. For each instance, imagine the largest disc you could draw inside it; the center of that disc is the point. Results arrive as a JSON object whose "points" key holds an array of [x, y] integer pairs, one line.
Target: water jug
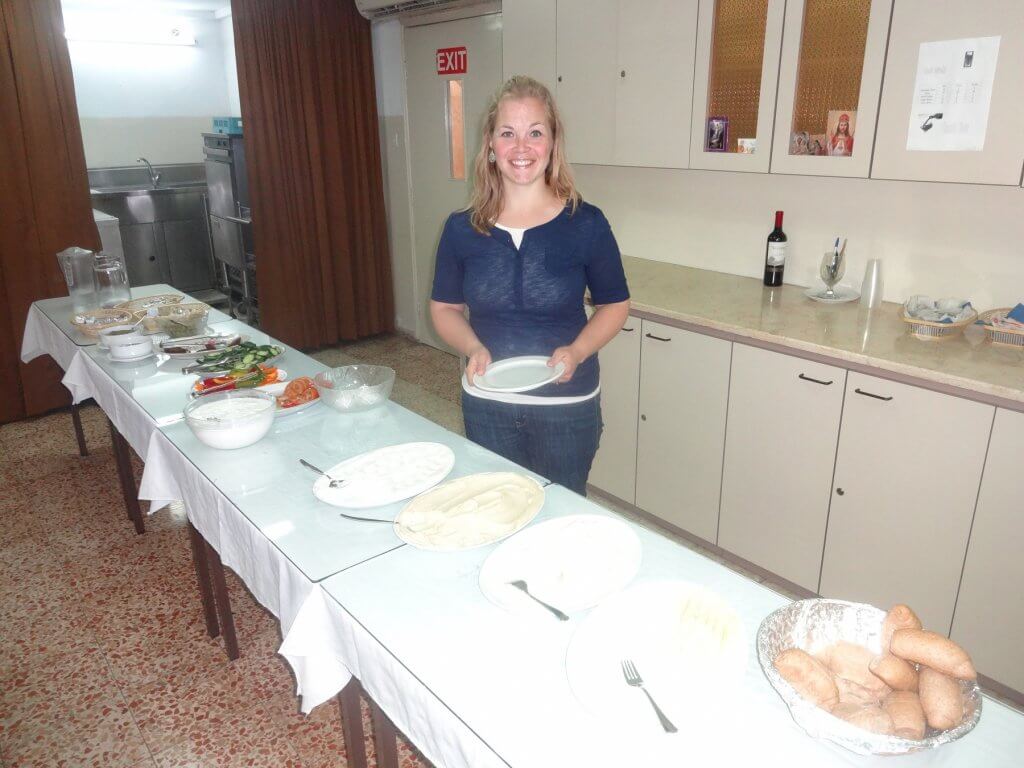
{"points": [[112, 286], [77, 265]]}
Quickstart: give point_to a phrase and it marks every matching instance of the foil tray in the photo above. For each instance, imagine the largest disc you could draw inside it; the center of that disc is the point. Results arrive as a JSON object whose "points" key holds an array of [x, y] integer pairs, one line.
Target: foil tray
{"points": [[815, 624]]}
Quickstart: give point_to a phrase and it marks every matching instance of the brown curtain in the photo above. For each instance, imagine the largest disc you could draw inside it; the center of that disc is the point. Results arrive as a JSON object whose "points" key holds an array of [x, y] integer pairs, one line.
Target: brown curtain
{"points": [[305, 77], [44, 191]]}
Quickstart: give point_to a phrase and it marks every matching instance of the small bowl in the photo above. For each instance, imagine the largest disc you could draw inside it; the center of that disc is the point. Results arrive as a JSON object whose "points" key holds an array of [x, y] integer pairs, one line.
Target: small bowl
{"points": [[232, 419], [355, 388], [177, 320], [120, 335], [132, 351]]}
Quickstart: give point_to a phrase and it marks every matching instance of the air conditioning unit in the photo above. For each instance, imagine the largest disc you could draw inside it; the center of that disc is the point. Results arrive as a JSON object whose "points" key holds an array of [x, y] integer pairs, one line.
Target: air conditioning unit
{"points": [[386, 9]]}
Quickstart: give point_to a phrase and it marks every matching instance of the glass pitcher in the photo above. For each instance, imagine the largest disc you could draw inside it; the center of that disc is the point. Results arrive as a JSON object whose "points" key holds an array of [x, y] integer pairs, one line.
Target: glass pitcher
{"points": [[112, 286], [77, 265]]}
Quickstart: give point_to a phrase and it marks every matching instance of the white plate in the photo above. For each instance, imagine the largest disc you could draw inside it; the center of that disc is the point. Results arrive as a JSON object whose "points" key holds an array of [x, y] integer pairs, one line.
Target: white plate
{"points": [[470, 511], [277, 389], [138, 359], [686, 642], [843, 293], [386, 475], [518, 374], [572, 563]]}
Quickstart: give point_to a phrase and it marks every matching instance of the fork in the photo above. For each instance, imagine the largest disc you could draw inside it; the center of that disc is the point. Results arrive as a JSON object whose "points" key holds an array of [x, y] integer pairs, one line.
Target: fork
{"points": [[521, 586], [629, 671]]}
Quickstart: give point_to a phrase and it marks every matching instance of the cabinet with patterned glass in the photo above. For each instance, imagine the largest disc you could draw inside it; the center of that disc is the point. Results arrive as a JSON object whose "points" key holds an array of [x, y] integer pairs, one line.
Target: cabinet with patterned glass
{"points": [[830, 78], [735, 78]]}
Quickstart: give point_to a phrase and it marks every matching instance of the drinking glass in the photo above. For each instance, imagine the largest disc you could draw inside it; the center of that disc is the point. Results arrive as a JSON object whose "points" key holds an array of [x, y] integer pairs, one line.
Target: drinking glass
{"points": [[833, 267]]}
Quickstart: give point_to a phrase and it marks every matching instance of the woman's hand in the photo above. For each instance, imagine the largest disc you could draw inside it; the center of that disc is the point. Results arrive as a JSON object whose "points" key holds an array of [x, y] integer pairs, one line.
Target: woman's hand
{"points": [[476, 365], [570, 358]]}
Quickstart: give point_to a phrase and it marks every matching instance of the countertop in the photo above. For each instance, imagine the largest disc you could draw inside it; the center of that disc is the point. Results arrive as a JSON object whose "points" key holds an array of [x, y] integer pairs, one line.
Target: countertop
{"points": [[743, 308]]}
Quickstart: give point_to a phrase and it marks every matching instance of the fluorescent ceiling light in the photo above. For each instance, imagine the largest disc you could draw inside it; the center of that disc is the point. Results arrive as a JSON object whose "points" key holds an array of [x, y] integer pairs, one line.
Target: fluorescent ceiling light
{"points": [[137, 30]]}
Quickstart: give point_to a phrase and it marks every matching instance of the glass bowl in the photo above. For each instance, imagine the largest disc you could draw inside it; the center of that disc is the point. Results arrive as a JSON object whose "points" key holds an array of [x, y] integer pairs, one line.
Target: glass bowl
{"points": [[177, 320], [233, 419], [354, 388]]}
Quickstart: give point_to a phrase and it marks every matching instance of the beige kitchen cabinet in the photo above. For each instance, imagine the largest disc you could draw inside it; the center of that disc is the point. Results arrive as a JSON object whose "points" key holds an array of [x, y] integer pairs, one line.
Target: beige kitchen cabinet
{"points": [[907, 474], [780, 449], [989, 618], [832, 60], [625, 80], [614, 469], [922, 21], [684, 386], [736, 73], [528, 39]]}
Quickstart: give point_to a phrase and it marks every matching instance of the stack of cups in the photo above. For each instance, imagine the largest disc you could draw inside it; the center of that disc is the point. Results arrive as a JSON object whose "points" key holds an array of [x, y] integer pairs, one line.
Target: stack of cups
{"points": [[871, 289]]}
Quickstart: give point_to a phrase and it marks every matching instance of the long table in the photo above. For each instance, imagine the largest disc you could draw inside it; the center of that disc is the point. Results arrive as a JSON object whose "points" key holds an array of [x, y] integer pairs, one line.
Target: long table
{"points": [[468, 683]]}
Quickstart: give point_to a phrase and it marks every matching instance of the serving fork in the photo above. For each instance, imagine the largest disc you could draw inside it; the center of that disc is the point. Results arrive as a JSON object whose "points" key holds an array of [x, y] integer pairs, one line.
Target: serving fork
{"points": [[629, 671], [521, 586]]}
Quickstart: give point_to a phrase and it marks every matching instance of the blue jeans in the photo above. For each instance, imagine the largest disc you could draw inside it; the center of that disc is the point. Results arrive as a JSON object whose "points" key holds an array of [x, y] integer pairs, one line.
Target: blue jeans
{"points": [[556, 441]]}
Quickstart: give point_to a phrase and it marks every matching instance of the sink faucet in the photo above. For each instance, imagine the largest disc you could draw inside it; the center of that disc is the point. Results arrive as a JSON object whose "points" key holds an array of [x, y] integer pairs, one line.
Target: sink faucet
{"points": [[153, 175]]}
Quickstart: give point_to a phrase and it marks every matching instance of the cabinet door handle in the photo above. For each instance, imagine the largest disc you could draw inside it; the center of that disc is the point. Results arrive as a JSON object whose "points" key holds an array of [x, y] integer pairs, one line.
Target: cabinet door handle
{"points": [[840, 491], [860, 391], [816, 381], [628, 330], [656, 338]]}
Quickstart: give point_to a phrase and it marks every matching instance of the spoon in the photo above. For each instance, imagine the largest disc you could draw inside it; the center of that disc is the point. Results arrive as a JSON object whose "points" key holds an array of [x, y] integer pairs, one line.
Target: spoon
{"points": [[333, 482], [521, 586]]}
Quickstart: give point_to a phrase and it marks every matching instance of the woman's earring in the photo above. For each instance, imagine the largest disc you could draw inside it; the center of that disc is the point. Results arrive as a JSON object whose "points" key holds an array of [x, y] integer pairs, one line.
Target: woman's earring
{"points": [[491, 157]]}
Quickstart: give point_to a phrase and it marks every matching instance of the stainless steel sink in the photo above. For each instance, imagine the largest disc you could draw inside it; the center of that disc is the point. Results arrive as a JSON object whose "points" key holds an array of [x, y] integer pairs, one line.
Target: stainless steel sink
{"points": [[162, 188]]}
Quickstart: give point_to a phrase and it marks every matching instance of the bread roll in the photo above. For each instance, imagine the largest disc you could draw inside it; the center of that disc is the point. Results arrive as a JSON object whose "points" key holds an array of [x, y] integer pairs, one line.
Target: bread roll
{"points": [[904, 707], [808, 676], [851, 661], [899, 674], [941, 699], [898, 617], [870, 717], [933, 650]]}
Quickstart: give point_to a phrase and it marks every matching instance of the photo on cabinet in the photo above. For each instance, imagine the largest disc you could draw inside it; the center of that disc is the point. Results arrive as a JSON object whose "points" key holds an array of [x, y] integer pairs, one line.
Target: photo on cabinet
{"points": [[841, 124], [799, 143], [718, 134], [817, 144], [746, 146]]}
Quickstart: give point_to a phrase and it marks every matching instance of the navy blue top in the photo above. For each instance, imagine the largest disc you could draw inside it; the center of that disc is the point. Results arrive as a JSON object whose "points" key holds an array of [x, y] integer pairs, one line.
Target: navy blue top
{"points": [[529, 301]]}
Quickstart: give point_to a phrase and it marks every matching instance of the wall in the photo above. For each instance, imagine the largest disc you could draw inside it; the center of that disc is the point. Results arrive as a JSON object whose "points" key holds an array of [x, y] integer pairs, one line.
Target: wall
{"points": [[389, 75], [227, 40], [147, 100], [933, 238]]}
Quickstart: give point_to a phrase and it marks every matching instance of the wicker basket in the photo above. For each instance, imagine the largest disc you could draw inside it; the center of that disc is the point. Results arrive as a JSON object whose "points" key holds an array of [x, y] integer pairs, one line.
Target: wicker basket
{"points": [[176, 320], [91, 323], [997, 335], [140, 305], [932, 331]]}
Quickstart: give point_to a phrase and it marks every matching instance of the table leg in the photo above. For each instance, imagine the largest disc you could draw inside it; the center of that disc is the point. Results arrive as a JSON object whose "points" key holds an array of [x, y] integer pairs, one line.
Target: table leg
{"points": [[220, 593], [385, 738], [202, 566], [352, 725], [124, 470], [76, 419]]}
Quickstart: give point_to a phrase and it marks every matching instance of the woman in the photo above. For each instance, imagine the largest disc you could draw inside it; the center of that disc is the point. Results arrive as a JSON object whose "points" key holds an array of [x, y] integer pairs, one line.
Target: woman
{"points": [[520, 258]]}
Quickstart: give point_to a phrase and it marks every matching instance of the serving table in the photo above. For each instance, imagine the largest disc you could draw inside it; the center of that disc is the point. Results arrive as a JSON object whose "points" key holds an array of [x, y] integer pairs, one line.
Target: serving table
{"points": [[470, 684]]}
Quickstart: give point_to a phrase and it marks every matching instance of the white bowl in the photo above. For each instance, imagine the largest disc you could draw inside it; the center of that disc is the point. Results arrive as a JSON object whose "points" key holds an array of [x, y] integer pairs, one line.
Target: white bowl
{"points": [[132, 350], [232, 419], [119, 335]]}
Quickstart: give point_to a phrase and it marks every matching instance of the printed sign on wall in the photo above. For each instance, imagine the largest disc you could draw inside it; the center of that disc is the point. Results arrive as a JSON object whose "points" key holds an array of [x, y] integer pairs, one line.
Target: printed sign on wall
{"points": [[452, 61]]}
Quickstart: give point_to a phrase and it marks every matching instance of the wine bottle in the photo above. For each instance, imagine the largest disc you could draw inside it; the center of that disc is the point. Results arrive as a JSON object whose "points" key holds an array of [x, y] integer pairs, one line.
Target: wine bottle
{"points": [[775, 253]]}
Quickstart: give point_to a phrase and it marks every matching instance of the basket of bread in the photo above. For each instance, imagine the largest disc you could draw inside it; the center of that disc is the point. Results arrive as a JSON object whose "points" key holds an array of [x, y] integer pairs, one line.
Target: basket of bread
{"points": [[874, 682]]}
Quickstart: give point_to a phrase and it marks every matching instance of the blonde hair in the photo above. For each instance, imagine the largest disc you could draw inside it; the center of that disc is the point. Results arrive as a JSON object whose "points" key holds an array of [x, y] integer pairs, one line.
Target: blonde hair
{"points": [[488, 193]]}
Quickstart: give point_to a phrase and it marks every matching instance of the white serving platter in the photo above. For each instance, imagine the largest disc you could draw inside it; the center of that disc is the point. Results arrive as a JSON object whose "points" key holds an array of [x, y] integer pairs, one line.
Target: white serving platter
{"points": [[386, 475], [518, 374]]}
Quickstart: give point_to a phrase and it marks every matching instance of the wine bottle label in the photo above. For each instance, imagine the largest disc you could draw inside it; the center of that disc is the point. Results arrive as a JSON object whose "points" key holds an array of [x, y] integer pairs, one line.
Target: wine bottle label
{"points": [[776, 254]]}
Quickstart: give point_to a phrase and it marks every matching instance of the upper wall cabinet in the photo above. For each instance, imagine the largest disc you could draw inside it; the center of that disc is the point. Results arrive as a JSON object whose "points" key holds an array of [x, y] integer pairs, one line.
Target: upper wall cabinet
{"points": [[528, 40], [829, 82], [735, 78], [923, 127], [625, 80]]}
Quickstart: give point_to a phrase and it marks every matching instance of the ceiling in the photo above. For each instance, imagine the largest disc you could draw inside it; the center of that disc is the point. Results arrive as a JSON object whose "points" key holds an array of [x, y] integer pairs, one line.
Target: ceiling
{"points": [[198, 7]]}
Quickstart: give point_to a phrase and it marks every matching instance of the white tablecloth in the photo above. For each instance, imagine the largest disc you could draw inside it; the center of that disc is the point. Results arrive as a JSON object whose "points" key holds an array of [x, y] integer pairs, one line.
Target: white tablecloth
{"points": [[42, 337], [273, 579]]}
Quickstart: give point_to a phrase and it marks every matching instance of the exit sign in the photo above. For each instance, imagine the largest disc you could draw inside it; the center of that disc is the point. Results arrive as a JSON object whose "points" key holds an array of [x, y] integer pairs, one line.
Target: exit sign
{"points": [[451, 61]]}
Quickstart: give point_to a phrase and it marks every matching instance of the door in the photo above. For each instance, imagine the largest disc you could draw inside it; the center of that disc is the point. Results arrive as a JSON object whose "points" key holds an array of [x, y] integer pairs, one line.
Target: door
{"points": [[614, 469], [684, 390], [780, 447], [446, 114], [907, 474]]}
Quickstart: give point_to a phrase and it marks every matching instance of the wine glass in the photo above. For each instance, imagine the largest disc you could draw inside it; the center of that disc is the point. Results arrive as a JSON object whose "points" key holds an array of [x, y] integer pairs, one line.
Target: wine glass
{"points": [[833, 267]]}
